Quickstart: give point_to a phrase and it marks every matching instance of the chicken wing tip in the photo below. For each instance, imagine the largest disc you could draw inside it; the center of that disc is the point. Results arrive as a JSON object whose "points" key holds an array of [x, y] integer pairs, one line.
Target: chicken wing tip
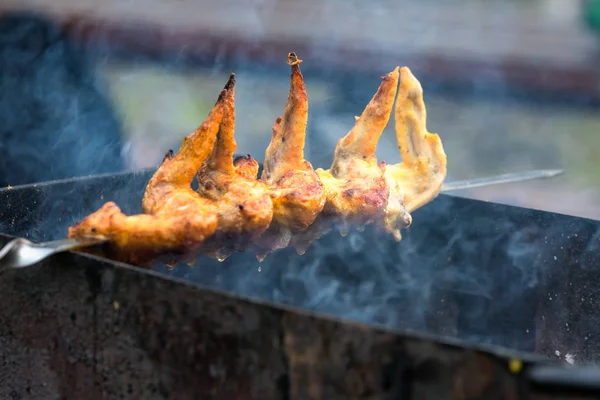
{"points": [[230, 82], [228, 86], [391, 76], [293, 59], [408, 81]]}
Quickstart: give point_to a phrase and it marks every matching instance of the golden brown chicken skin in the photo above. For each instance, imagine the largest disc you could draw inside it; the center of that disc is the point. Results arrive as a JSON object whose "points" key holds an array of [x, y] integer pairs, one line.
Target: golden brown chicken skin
{"points": [[291, 204], [244, 206], [297, 192], [360, 191], [419, 177], [357, 191], [176, 220]]}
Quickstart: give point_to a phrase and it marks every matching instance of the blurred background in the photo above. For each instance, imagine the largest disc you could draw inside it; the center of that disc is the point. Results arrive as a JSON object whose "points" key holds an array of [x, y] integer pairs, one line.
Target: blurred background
{"points": [[510, 85]]}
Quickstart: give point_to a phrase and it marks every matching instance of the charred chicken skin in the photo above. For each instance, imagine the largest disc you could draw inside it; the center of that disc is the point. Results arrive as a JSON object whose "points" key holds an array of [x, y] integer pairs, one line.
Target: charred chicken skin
{"points": [[244, 205], [357, 192], [176, 220], [291, 204], [297, 192]]}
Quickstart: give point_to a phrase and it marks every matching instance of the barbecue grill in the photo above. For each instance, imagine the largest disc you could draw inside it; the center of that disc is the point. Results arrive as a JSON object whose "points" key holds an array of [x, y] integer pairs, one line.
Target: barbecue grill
{"points": [[479, 300]]}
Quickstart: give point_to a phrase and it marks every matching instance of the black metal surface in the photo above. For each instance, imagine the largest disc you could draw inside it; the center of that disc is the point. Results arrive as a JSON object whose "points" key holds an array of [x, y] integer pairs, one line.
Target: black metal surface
{"points": [[480, 272]]}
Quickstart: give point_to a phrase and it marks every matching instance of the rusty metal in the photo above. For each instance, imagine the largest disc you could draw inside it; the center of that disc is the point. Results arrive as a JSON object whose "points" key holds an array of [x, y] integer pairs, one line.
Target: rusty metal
{"points": [[77, 326]]}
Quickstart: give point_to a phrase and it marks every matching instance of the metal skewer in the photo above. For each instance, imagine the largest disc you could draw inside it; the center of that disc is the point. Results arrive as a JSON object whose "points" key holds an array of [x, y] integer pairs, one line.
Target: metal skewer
{"points": [[500, 179], [21, 253]]}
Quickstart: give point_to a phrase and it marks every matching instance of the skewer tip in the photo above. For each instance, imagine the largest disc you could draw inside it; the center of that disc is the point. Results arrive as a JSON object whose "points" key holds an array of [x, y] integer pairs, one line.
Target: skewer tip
{"points": [[553, 172], [502, 179]]}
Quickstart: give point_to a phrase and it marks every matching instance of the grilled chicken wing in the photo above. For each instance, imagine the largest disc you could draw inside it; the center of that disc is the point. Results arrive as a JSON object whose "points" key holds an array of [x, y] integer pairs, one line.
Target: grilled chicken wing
{"points": [[297, 192], [176, 220], [292, 204], [356, 189], [245, 209], [419, 177]]}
